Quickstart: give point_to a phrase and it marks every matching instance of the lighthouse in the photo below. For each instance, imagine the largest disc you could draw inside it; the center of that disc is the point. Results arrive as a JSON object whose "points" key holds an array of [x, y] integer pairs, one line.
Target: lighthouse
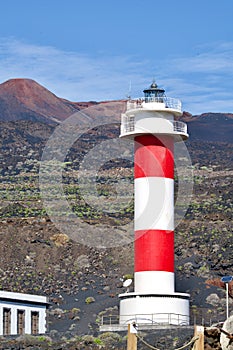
{"points": [[150, 123]]}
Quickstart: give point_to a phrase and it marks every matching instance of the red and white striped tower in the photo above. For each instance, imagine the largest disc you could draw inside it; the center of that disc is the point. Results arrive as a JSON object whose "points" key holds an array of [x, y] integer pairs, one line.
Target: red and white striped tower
{"points": [[150, 122]]}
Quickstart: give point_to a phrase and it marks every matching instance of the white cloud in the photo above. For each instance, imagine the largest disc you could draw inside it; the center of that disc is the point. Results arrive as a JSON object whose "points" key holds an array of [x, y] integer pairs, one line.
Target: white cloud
{"points": [[68, 74], [212, 58], [203, 81]]}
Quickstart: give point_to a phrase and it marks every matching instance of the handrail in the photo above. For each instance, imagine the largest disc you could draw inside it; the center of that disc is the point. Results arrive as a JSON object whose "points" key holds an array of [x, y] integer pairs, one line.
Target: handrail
{"points": [[168, 102], [195, 318], [128, 125], [164, 318], [179, 126]]}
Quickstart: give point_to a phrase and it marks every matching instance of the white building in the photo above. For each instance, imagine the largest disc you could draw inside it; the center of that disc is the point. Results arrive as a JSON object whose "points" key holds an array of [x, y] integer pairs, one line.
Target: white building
{"points": [[22, 313]]}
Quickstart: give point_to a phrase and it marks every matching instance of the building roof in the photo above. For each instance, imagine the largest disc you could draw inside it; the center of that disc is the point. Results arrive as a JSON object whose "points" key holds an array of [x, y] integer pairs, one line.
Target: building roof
{"points": [[26, 298]]}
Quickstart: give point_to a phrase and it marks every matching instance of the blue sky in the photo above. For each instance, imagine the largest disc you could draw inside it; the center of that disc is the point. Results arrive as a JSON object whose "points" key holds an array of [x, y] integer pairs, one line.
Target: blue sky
{"points": [[96, 50]]}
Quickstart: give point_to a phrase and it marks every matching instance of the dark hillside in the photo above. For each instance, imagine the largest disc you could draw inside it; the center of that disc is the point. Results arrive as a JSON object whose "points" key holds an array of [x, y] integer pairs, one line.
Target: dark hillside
{"points": [[214, 127], [82, 281]]}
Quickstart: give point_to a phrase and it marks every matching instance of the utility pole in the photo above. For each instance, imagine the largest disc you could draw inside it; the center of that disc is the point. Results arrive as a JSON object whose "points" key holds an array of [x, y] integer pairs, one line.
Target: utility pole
{"points": [[132, 338]]}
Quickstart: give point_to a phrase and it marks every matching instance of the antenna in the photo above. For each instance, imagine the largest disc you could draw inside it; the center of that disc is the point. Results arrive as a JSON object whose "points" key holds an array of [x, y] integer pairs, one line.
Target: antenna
{"points": [[130, 90]]}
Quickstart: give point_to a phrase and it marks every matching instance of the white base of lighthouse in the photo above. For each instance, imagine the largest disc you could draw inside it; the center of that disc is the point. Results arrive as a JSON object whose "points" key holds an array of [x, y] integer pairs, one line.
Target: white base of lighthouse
{"points": [[171, 309]]}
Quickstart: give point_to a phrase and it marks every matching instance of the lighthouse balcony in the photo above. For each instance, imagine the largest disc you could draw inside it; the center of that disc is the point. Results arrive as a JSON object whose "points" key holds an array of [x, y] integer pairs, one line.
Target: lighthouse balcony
{"points": [[131, 126], [155, 102]]}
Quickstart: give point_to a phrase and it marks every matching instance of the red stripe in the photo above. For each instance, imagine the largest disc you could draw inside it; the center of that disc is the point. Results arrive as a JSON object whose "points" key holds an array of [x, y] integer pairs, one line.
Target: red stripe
{"points": [[154, 250], [153, 156]]}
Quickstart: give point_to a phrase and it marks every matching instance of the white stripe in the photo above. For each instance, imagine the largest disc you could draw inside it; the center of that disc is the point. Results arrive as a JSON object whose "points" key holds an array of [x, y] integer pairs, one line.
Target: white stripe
{"points": [[154, 203], [154, 282]]}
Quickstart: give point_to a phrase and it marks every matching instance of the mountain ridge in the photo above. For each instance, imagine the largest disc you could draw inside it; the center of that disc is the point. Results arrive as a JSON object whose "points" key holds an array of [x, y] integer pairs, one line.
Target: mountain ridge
{"points": [[26, 99]]}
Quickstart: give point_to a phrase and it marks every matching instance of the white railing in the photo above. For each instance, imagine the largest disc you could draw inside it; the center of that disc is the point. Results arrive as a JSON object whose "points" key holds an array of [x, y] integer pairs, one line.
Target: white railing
{"points": [[180, 127], [194, 319], [156, 319], [128, 125], [168, 102]]}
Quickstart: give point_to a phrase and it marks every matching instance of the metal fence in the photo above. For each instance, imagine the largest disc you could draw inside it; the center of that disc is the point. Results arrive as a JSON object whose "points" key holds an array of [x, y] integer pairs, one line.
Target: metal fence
{"points": [[168, 102], [153, 319], [199, 316], [128, 125]]}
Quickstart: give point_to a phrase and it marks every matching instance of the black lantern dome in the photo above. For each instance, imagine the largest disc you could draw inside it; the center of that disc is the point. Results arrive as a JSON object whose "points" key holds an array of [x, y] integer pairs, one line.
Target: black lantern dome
{"points": [[153, 92]]}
